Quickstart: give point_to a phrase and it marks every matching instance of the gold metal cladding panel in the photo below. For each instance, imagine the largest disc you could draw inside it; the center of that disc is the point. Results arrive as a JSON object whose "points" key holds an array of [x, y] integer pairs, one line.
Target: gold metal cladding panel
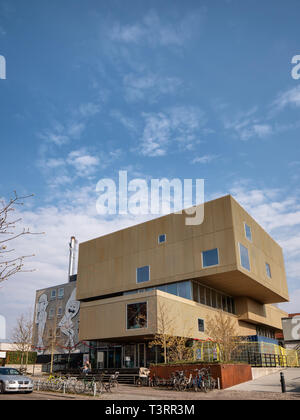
{"points": [[262, 249], [108, 264], [106, 319], [251, 311]]}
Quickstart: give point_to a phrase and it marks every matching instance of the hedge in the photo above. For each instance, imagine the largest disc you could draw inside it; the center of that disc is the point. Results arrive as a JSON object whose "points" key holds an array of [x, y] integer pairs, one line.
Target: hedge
{"points": [[15, 357]]}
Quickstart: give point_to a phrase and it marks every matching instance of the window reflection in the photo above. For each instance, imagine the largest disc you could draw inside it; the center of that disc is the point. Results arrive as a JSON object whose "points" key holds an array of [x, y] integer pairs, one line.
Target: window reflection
{"points": [[137, 315]]}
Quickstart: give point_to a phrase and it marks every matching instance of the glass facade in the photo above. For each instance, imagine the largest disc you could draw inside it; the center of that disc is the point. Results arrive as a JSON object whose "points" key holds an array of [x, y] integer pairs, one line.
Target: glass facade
{"points": [[181, 289], [136, 315], [210, 297], [244, 255], [210, 258]]}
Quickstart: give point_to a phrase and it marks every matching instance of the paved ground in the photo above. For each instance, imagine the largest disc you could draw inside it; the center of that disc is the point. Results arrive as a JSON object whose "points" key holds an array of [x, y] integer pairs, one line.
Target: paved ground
{"points": [[271, 383], [125, 392]]}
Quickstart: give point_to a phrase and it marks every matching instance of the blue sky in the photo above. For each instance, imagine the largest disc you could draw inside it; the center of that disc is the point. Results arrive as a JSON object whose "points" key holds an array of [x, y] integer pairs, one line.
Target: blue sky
{"points": [[194, 89]]}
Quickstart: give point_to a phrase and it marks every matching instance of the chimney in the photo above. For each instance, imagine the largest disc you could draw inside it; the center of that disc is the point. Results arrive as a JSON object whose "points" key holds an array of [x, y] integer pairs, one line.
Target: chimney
{"points": [[72, 247]]}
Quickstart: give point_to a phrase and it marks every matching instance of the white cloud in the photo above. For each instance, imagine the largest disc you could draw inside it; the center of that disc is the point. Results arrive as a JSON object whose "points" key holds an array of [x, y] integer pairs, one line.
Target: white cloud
{"points": [[247, 125], [84, 163], [181, 126], [153, 31], [293, 306], [289, 97], [74, 215], [204, 159], [150, 86]]}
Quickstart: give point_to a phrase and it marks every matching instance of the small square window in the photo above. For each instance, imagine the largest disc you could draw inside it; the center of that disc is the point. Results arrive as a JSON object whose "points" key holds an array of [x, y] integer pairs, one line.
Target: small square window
{"points": [[143, 274], [268, 270], [162, 238], [244, 256], [210, 258], [200, 325], [248, 232]]}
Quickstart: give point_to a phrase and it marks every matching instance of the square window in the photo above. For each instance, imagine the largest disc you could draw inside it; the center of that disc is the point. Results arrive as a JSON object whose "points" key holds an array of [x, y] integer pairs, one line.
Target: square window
{"points": [[200, 325], [143, 274], [268, 270], [162, 238], [244, 256], [136, 315], [248, 232], [210, 258]]}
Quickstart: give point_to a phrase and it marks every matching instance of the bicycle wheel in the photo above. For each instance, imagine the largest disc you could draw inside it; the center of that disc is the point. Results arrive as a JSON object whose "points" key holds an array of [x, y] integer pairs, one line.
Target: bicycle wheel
{"points": [[204, 385], [79, 388]]}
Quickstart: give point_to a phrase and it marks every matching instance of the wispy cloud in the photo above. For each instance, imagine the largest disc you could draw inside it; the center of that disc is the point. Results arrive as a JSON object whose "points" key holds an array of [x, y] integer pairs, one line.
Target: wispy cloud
{"points": [[149, 87], [153, 30], [204, 159], [287, 98], [180, 126], [248, 125]]}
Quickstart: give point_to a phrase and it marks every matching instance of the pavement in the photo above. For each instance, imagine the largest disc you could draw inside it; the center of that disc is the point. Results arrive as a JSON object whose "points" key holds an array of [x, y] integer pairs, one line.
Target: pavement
{"points": [[271, 383], [129, 392]]}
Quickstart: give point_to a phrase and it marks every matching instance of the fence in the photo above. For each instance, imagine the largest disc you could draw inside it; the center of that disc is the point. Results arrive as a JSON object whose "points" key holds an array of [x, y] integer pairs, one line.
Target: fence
{"points": [[257, 354]]}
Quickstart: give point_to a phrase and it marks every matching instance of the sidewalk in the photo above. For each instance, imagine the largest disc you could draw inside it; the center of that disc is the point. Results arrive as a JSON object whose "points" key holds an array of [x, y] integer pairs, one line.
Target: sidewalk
{"points": [[271, 383]]}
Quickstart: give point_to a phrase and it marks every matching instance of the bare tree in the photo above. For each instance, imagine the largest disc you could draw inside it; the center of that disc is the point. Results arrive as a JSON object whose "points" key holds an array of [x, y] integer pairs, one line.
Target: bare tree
{"points": [[22, 336], [11, 264], [223, 330], [164, 327], [174, 348]]}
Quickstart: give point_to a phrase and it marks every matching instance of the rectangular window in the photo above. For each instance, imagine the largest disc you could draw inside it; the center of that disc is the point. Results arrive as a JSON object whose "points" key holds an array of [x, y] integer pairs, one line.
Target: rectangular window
{"points": [[202, 295], [196, 292], [136, 315], [61, 292], [208, 297], [143, 274], [162, 238], [210, 258], [184, 290], [53, 294], [51, 314], [268, 270], [200, 325], [213, 299], [248, 232], [244, 255], [59, 311]]}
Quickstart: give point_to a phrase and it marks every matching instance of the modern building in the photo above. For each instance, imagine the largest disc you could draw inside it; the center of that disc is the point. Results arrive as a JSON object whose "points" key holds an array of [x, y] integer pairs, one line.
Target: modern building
{"points": [[161, 274], [56, 323]]}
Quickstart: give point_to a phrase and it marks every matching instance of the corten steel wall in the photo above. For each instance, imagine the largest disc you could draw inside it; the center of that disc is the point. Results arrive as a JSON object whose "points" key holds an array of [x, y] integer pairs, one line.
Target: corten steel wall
{"points": [[108, 264], [229, 374]]}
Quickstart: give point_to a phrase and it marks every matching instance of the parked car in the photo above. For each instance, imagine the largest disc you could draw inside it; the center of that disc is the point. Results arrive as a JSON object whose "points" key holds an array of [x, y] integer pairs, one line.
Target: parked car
{"points": [[11, 380]]}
